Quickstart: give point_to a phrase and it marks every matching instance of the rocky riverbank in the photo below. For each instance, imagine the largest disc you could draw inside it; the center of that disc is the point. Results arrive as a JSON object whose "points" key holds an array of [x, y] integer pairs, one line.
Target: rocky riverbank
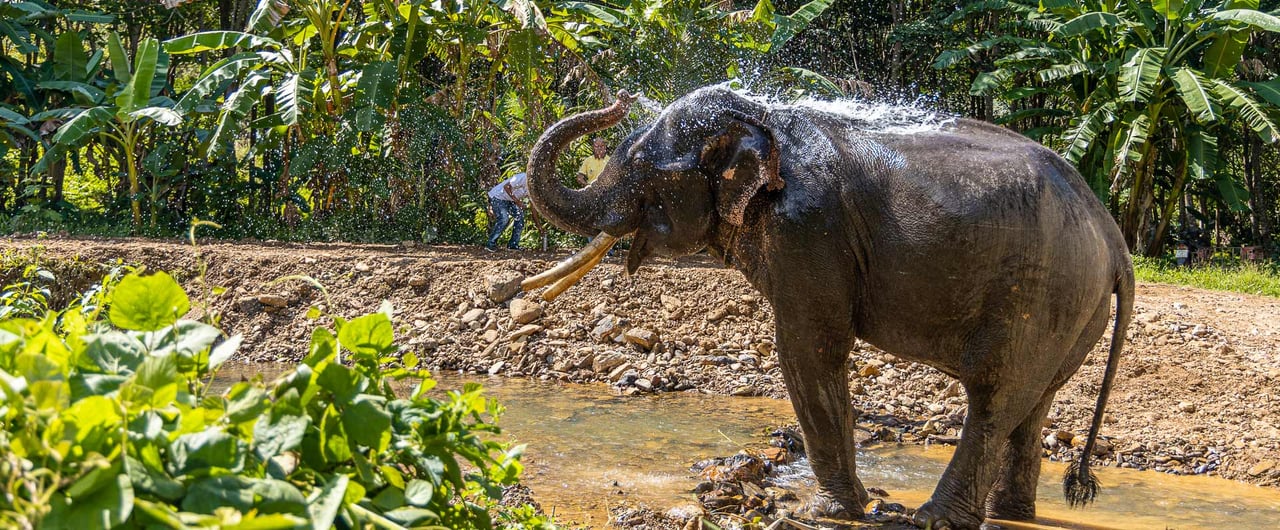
{"points": [[1198, 390]]}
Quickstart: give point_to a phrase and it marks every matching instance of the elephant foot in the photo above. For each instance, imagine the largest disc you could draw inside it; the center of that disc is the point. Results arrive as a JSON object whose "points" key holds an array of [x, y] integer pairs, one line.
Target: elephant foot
{"points": [[824, 505], [938, 516], [1011, 511]]}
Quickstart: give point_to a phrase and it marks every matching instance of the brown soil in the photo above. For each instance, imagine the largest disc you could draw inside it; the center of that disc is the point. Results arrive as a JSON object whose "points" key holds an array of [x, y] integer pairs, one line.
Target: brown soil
{"points": [[1198, 389]]}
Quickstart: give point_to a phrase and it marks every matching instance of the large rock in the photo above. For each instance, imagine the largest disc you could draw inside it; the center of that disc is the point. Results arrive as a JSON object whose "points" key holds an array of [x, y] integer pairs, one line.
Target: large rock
{"points": [[524, 311], [273, 300], [607, 328], [472, 316], [502, 287], [525, 331], [641, 337], [606, 362]]}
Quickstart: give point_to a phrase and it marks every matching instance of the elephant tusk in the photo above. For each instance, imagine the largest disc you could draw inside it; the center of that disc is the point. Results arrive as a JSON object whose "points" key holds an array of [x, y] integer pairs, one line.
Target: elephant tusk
{"points": [[590, 254], [569, 281]]}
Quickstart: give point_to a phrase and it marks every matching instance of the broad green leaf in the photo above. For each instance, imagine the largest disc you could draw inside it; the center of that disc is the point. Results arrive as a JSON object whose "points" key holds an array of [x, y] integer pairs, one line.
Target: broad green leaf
{"points": [[324, 503], [368, 336], [224, 350], [84, 92], [187, 338], [19, 36], [138, 92], [105, 508], [161, 115], [267, 16], [1080, 136], [814, 81], [119, 60], [1171, 9], [1194, 92], [1061, 71], [1224, 53], [1253, 113], [216, 76], [217, 40], [101, 475], [1140, 73], [157, 381], [1136, 128], [155, 482], [611, 17], [236, 107], [1269, 90], [1234, 194], [70, 59], [790, 25], [367, 421], [85, 124], [147, 303], [277, 432], [988, 83], [91, 17], [1249, 17], [1089, 22], [114, 352], [246, 402], [90, 423], [1202, 153], [84, 385], [211, 448], [412, 517], [418, 493]]}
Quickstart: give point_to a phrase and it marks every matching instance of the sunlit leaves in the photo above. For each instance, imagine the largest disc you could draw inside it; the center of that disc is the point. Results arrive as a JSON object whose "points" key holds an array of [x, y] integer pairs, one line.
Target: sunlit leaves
{"points": [[1248, 109], [367, 336], [217, 40], [1194, 91], [147, 303], [1140, 73], [1096, 20]]}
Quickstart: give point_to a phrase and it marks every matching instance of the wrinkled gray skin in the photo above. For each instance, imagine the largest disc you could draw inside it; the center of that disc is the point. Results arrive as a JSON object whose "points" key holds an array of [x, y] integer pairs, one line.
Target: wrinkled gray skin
{"points": [[971, 249]]}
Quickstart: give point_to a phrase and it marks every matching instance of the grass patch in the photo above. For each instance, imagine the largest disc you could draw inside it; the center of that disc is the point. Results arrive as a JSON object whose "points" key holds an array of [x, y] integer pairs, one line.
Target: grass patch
{"points": [[1249, 278]]}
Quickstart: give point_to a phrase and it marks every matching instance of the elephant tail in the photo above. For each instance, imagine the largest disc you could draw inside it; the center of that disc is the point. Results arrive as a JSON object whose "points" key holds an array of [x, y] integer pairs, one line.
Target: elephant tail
{"points": [[1080, 485]]}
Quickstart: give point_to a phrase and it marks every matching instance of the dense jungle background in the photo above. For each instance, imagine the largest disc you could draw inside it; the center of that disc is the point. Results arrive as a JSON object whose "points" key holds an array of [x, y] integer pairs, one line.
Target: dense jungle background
{"points": [[387, 120]]}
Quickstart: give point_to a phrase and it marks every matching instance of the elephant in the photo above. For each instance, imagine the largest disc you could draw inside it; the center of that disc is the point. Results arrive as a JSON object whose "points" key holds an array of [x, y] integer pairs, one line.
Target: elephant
{"points": [[963, 246]]}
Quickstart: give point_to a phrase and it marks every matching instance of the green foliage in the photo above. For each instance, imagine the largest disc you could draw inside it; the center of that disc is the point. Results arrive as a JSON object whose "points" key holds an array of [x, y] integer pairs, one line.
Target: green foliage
{"points": [[120, 426], [1225, 273], [1149, 86]]}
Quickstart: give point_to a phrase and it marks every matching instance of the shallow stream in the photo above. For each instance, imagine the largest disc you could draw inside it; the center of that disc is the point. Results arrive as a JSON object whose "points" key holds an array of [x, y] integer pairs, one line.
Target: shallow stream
{"points": [[590, 449]]}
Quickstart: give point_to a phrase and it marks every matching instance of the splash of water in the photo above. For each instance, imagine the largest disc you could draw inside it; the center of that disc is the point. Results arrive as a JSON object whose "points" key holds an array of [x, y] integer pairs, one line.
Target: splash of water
{"points": [[885, 117]]}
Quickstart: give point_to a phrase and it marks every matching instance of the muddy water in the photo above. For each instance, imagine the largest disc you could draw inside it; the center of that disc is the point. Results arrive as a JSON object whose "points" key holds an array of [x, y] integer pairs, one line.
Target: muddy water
{"points": [[589, 449]]}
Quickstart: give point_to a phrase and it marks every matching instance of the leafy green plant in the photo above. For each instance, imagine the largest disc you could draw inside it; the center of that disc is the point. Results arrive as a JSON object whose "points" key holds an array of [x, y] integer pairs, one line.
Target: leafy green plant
{"points": [[125, 120], [1151, 85], [116, 424]]}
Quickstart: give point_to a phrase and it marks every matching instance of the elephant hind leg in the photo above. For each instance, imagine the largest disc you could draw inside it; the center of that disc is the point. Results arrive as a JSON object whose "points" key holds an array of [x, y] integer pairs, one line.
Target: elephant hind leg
{"points": [[1013, 496]]}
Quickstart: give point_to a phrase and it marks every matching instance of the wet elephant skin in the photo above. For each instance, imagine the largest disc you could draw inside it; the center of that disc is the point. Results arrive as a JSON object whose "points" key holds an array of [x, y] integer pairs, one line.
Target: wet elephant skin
{"points": [[963, 246]]}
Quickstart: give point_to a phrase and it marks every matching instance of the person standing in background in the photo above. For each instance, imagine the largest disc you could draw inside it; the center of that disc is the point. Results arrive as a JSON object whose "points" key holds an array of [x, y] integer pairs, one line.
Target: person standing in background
{"points": [[594, 164], [507, 203]]}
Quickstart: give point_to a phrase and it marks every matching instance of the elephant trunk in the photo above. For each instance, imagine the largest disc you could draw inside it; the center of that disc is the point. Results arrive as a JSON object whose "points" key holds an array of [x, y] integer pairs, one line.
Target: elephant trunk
{"points": [[585, 211]]}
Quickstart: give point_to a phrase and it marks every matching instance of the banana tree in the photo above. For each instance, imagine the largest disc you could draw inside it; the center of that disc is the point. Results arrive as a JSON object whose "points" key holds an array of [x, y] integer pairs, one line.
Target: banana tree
{"points": [[126, 121], [1149, 86]]}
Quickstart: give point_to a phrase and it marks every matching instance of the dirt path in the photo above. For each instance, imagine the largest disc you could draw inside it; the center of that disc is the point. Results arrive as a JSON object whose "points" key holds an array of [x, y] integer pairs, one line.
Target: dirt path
{"points": [[1198, 391]]}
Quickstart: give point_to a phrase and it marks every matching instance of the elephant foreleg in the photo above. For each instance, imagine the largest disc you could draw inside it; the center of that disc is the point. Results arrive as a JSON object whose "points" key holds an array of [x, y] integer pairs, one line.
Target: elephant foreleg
{"points": [[814, 355]]}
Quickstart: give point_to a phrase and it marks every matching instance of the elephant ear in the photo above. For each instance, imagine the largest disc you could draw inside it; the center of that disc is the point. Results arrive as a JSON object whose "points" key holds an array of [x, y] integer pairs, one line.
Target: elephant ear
{"points": [[743, 157]]}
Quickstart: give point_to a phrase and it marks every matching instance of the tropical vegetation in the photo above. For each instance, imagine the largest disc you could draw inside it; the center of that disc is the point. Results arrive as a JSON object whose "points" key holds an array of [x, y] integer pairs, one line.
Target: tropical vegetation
{"points": [[386, 120], [112, 415]]}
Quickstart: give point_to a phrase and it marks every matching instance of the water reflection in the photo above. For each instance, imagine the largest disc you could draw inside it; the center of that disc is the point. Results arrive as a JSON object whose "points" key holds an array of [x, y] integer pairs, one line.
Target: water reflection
{"points": [[589, 449]]}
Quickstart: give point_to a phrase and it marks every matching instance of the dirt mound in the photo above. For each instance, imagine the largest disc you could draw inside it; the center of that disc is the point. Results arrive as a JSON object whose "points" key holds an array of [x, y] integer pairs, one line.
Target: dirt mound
{"points": [[1198, 392]]}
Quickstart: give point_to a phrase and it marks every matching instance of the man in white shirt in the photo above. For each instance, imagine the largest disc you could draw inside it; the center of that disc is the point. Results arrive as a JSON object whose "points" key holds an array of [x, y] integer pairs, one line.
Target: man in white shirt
{"points": [[506, 203]]}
